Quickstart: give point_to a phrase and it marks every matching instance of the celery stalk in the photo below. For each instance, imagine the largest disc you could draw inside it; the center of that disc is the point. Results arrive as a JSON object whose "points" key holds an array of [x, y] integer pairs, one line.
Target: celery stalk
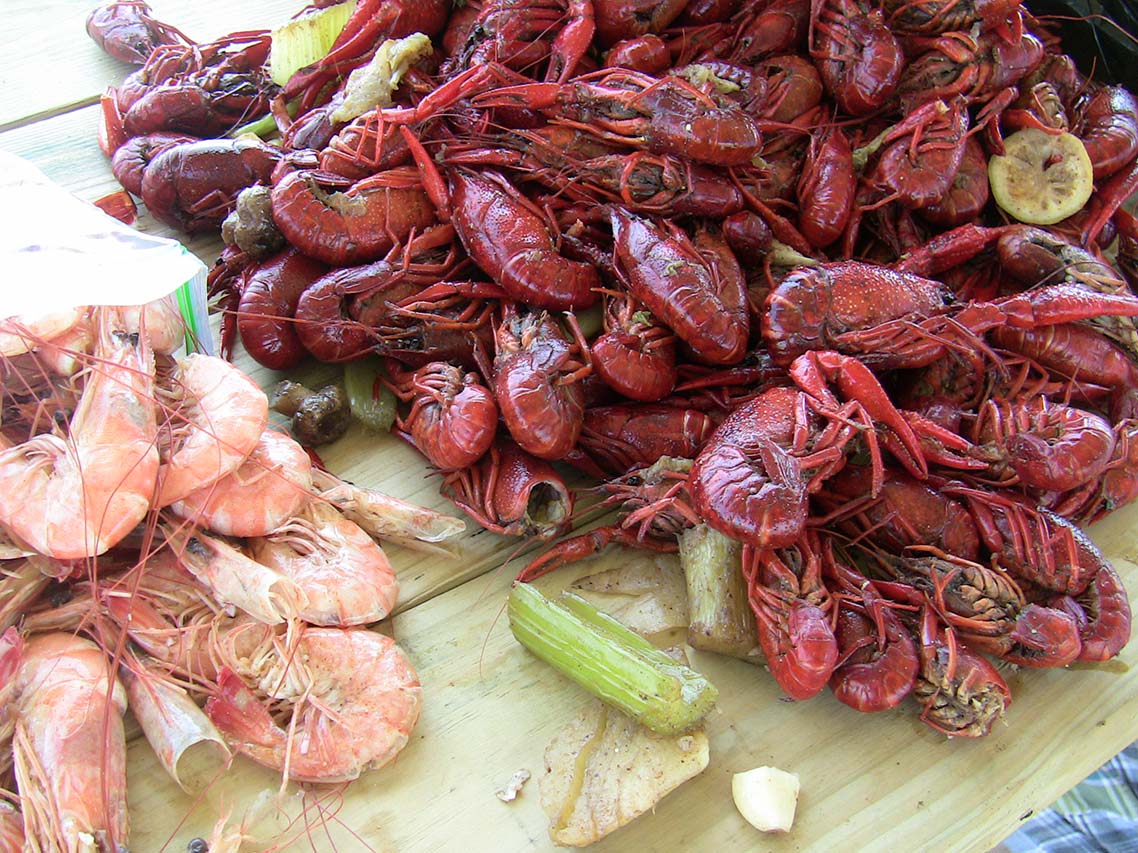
{"points": [[372, 402], [263, 128], [610, 661], [720, 617], [304, 40], [591, 321]]}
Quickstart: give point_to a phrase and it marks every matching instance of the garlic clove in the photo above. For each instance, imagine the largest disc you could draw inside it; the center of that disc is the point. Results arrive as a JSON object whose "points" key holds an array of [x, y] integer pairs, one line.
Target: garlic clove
{"points": [[767, 797]]}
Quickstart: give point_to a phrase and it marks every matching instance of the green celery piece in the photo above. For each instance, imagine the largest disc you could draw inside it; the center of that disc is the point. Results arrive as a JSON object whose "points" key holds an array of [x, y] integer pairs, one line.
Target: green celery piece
{"points": [[372, 402], [721, 619], [613, 663], [264, 127], [304, 40]]}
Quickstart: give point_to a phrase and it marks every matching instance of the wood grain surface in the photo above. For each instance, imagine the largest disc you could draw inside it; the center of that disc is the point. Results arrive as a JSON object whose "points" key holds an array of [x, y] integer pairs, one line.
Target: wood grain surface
{"points": [[870, 782]]}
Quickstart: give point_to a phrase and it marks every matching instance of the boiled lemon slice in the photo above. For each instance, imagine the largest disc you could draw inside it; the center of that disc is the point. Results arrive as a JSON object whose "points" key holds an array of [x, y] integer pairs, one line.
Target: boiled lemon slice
{"points": [[1042, 177]]}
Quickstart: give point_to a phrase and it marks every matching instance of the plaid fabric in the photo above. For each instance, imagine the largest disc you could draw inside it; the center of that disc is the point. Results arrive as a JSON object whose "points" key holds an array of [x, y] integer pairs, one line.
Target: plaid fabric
{"points": [[1099, 814]]}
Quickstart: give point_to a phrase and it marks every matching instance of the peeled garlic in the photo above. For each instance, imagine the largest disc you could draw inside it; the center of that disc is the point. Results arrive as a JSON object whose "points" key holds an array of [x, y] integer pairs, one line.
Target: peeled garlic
{"points": [[766, 797]]}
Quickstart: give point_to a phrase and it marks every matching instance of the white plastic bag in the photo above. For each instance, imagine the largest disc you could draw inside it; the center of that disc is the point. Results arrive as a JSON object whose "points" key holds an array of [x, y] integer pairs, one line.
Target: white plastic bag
{"points": [[60, 252]]}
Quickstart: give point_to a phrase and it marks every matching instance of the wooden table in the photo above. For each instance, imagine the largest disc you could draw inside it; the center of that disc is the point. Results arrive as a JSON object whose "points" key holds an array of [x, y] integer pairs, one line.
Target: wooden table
{"points": [[868, 782]]}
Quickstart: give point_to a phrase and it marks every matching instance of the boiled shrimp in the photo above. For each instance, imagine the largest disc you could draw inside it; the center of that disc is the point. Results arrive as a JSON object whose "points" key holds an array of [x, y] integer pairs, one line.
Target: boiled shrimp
{"points": [[168, 613], [32, 399], [69, 746], [267, 489], [348, 699], [215, 417], [261, 824], [232, 578], [62, 340], [65, 353], [385, 517], [160, 320], [21, 582], [11, 651], [344, 574], [23, 334], [187, 745], [11, 828], [76, 496]]}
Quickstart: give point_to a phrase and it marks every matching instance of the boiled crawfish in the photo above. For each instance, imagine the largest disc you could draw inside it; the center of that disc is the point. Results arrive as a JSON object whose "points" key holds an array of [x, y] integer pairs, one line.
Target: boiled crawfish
{"points": [[126, 30]]}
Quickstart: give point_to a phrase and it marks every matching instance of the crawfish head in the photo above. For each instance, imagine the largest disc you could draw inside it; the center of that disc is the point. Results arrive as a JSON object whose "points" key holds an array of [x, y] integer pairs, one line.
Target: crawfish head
{"points": [[655, 498], [919, 167], [930, 17], [132, 157], [1048, 446], [1103, 613], [1044, 637], [681, 287], [812, 654], [877, 670], [205, 92], [700, 126], [269, 293], [989, 607], [906, 512], [636, 355], [618, 20], [950, 68], [758, 499], [507, 236], [792, 612], [1035, 256], [622, 437], [1038, 105], [961, 692], [194, 186], [828, 305], [960, 64], [529, 498], [859, 59], [127, 32]]}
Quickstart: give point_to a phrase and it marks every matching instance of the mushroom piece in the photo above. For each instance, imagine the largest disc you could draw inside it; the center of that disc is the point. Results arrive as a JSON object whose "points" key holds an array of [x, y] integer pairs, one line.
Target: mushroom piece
{"points": [[318, 417], [251, 227]]}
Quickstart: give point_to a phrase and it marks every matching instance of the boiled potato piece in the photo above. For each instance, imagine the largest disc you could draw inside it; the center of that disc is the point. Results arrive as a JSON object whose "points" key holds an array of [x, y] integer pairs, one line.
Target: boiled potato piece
{"points": [[647, 594], [637, 573], [1041, 177], [603, 769]]}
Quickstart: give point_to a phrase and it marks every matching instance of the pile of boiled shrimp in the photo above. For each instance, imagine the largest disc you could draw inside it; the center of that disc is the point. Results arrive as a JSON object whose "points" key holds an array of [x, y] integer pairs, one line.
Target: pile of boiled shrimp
{"points": [[164, 547]]}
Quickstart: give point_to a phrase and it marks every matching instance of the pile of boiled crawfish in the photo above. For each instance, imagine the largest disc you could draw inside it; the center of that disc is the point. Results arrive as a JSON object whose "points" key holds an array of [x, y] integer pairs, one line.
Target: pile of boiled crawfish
{"points": [[739, 262]]}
